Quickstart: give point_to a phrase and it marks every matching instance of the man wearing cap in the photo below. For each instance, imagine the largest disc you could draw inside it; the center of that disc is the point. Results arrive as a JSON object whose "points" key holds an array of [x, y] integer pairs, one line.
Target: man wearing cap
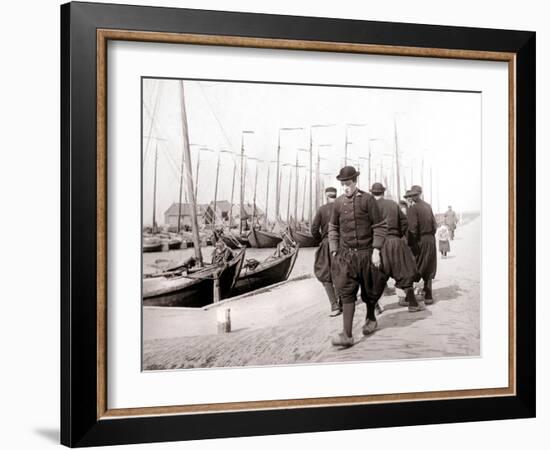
{"points": [[356, 233], [422, 225], [321, 266], [397, 259]]}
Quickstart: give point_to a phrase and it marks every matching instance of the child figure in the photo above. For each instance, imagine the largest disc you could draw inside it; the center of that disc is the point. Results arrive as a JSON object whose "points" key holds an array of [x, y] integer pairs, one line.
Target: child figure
{"points": [[443, 235]]}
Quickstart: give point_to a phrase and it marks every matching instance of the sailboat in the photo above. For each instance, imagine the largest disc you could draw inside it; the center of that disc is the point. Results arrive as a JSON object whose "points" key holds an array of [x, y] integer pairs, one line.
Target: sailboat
{"points": [[184, 285], [191, 288], [263, 239], [303, 238], [300, 236], [151, 244], [274, 269]]}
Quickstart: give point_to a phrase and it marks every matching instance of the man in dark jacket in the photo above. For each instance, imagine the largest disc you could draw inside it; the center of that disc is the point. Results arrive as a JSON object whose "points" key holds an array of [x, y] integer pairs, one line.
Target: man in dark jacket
{"points": [[321, 266], [422, 226], [356, 234], [397, 259]]}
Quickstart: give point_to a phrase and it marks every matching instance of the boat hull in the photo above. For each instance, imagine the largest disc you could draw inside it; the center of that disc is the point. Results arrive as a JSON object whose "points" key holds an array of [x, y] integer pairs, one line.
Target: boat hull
{"points": [[151, 244], [266, 274], [174, 245], [234, 242], [263, 239], [303, 239], [195, 290]]}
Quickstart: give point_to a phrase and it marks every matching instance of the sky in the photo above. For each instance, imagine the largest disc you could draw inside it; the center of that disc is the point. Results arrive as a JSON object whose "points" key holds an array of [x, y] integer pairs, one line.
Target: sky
{"points": [[437, 131]]}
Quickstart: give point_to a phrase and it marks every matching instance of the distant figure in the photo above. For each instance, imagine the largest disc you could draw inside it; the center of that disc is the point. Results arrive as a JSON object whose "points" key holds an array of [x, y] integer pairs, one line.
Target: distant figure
{"points": [[442, 235], [397, 259], [222, 254], [423, 226], [321, 266], [451, 220]]}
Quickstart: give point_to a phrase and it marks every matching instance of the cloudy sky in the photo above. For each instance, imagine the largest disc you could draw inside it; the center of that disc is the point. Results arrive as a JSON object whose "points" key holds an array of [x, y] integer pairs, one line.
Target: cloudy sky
{"points": [[440, 131]]}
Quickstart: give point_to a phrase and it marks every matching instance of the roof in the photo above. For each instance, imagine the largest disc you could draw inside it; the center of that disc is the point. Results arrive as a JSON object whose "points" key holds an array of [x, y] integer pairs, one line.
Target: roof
{"points": [[185, 209], [221, 205]]}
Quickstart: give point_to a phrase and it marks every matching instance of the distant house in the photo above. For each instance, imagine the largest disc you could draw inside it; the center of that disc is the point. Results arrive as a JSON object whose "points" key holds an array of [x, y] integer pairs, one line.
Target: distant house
{"points": [[172, 213], [223, 208], [248, 211]]}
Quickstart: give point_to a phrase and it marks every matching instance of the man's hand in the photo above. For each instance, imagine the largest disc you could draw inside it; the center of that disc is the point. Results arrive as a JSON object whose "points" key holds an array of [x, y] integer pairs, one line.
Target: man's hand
{"points": [[376, 257]]}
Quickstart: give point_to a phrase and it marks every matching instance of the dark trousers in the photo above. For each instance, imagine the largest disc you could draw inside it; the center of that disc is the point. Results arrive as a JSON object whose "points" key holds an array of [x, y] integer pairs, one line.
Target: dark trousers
{"points": [[332, 296], [399, 263], [426, 260], [353, 269]]}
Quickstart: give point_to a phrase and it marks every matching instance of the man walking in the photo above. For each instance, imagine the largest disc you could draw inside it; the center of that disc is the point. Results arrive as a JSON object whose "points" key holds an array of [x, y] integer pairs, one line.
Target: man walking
{"points": [[397, 259], [356, 234], [321, 266], [422, 226], [451, 221]]}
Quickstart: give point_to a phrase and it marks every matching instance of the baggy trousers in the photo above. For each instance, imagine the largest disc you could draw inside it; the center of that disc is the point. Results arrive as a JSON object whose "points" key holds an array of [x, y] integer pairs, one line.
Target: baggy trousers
{"points": [[399, 263], [353, 269], [426, 260]]}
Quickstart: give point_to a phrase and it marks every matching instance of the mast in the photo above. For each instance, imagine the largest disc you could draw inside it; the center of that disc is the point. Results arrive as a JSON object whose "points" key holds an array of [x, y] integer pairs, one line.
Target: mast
{"points": [[267, 191], [254, 198], [310, 214], [197, 172], [289, 189], [296, 192], [318, 181], [304, 199], [396, 155], [277, 179], [369, 161], [232, 193], [242, 186], [346, 148], [243, 169], [154, 228], [155, 106], [186, 161], [216, 192]]}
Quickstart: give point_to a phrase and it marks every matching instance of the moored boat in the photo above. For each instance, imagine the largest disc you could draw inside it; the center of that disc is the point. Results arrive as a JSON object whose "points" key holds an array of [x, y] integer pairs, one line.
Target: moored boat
{"points": [[174, 243], [194, 288], [274, 269], [152, 244], [305, 239], [263, 239]]}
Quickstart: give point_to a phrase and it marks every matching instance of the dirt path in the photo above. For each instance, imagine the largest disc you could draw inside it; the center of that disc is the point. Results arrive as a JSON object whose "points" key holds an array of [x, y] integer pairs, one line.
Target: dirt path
{"points": [[290, 324]]}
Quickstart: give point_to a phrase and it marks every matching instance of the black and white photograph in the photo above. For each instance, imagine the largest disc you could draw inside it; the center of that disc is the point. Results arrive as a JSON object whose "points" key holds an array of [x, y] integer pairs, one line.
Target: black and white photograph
{"points": [[289, 224]]}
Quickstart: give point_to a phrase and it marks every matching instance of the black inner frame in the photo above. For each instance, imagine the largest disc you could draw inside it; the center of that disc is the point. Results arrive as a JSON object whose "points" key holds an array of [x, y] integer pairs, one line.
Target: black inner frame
{"points": [[79, 424]]}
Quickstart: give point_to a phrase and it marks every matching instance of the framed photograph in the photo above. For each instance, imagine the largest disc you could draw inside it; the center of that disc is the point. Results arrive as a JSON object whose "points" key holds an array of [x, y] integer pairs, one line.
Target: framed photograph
{"points": [[276, 224]]}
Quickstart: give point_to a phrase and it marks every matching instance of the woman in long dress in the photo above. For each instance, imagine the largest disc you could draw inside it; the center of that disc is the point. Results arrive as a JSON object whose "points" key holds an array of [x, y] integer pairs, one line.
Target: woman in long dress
{"points": [[443, 235]]}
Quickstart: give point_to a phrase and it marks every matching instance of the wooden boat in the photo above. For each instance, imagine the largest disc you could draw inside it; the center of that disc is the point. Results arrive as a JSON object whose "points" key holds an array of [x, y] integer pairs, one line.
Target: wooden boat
{"points": [[273, 270], [263, 239], [152, 244], [174, 243], [192, 288], [303, 238], [243, 239], [231, 241], [235, 241]]}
